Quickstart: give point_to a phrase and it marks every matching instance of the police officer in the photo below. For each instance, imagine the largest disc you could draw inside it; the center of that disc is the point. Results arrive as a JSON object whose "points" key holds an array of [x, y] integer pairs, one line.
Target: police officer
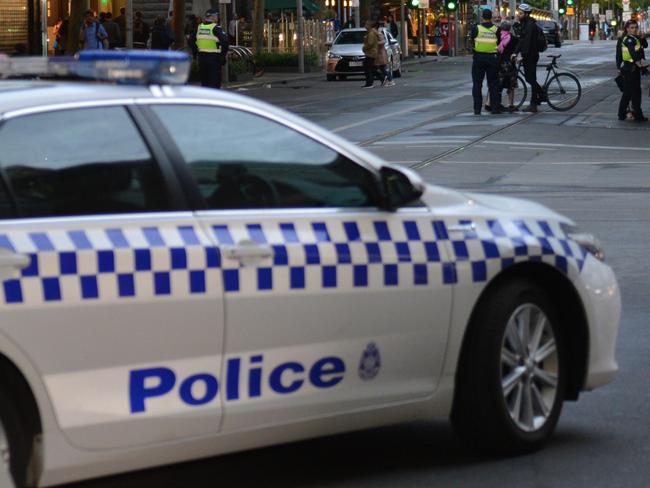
{"points": [[212, 45], [630, 61], [486, 62]]}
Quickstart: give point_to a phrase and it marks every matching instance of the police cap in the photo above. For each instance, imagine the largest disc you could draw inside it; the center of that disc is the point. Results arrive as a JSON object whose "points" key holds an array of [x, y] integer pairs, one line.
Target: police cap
{"points": [[213, 12]]}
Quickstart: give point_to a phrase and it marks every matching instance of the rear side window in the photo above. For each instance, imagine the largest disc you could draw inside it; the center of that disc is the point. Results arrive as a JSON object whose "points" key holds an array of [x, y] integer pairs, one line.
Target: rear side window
{"points": [[79, 162]]}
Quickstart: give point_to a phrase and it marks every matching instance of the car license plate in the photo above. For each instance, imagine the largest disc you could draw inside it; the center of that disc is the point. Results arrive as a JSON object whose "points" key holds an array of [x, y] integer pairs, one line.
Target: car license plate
{"points": [[356, 63]]}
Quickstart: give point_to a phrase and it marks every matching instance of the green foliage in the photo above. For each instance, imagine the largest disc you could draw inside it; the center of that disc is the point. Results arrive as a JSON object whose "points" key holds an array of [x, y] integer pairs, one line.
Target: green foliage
{"points": [[264, 59], [237, 66]]}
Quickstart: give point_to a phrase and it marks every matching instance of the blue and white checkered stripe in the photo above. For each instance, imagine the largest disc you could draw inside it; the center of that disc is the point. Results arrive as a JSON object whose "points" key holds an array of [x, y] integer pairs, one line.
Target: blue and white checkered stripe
{"points": [[498, 244], [69, 266], [339, 255], [129, 262]]}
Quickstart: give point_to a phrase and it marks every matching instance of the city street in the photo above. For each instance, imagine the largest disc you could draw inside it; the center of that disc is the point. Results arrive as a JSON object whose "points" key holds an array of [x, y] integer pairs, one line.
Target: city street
{"points": [[583, 163]]}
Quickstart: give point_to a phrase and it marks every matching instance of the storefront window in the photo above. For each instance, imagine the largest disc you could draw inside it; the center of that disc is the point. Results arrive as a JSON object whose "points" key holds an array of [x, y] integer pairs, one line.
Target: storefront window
{"points": [[13, 24]]}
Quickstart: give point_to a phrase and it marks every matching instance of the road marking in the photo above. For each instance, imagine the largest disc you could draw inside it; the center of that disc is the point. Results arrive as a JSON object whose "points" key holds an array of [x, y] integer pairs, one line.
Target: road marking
{"points": [[579, 146], [366, 121]]}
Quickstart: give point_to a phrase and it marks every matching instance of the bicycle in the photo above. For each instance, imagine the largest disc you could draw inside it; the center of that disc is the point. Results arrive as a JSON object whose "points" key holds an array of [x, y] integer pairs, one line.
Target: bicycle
{"points": [[561, 89]]}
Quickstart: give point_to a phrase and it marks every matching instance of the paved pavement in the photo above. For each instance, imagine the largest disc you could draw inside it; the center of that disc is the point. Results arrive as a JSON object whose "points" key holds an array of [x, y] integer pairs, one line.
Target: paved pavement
{"points": [[584, 163]]}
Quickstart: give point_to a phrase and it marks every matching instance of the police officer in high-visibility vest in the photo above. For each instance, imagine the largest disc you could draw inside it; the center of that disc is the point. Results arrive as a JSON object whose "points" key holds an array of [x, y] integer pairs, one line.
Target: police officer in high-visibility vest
{"points": [[631, 63], [212, 44], [486, 63]]}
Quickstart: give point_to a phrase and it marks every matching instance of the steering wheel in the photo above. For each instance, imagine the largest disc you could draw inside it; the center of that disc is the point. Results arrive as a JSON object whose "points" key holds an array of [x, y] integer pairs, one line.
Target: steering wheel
{"points": [[257, 191]]}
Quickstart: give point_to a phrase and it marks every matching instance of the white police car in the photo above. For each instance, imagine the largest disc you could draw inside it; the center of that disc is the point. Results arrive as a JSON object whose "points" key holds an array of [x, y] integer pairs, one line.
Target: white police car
{"points": [[189, 272]]}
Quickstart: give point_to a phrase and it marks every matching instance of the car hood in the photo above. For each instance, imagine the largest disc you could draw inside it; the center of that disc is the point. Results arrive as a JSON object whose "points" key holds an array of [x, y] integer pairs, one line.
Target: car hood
{"points": [[447, 202], [347, 49]]}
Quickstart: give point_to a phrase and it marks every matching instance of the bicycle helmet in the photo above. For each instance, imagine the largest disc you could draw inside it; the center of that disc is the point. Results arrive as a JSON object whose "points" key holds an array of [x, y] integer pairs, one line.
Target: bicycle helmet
{"points": [[524, 7]]}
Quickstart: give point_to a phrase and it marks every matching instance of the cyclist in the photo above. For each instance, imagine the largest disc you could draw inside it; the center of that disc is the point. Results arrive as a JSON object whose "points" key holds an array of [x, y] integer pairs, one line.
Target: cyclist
{"points": [[592, 29], [630, 60], [528, 50]]}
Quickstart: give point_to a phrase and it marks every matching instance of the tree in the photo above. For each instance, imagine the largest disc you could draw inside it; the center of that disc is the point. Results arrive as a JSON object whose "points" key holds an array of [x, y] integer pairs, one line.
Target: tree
{"points": [[258, 26], [77, 9]]}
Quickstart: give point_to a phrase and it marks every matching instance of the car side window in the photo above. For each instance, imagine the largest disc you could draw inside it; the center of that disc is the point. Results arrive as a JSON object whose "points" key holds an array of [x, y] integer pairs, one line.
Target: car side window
{"points": [[79, 162], [242, 160]]}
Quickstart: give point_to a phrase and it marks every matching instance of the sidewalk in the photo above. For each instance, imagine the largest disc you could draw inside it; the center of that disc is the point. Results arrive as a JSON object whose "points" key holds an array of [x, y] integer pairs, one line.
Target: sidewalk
{"points": [[283, 78]]}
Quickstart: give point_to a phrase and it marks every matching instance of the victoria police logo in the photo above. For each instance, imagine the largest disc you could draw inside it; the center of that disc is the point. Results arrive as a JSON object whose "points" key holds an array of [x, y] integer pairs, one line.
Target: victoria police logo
{"points": [[370, 362]]}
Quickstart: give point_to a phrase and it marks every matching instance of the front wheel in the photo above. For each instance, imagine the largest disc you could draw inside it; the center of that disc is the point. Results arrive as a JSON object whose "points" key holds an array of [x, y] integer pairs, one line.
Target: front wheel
{"points": [[15, 444], [510, 384], [520, 92], [563, 91]]}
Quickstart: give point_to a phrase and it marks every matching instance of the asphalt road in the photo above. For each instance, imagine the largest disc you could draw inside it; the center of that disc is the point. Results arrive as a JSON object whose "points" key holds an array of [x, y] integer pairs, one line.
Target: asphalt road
{"points": [[584, 163]]}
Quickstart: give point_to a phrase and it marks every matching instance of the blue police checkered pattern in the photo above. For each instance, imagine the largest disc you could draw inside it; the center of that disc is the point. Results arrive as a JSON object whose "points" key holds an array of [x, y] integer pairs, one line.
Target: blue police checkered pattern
{"points": [[334, 254]]}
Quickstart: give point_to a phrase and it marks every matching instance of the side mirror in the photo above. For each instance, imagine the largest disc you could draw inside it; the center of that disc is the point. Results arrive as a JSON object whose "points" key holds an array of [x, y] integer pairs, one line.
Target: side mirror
{"points": [[400, 187]]}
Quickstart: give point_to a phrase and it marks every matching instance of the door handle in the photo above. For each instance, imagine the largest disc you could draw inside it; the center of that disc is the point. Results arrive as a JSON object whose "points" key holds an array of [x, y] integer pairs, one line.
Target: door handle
{"points": [[469, 227], [10, 259], [247, 250]]}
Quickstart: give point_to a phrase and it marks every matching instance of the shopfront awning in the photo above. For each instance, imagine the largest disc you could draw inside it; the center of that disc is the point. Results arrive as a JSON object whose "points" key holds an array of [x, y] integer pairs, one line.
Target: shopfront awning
{"points": [[290, 5]]}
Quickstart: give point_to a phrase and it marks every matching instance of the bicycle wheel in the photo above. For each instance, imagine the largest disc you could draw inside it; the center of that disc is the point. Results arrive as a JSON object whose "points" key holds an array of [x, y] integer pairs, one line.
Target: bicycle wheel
{"points": [[563, 91], [520, 92]]}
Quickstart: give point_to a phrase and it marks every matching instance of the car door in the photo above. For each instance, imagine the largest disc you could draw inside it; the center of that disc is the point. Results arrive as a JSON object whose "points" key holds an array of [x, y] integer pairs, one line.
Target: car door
{"points": [[331, 304], [108, 284]]}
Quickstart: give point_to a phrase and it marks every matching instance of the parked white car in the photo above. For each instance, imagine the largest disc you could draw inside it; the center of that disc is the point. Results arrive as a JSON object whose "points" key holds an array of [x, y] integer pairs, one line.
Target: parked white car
{"points": [[345, 56]]}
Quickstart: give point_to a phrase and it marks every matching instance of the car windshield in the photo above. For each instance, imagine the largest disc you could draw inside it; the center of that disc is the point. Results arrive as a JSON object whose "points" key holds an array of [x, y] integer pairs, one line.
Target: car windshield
{"points": [[350, 37], [546, 24]]}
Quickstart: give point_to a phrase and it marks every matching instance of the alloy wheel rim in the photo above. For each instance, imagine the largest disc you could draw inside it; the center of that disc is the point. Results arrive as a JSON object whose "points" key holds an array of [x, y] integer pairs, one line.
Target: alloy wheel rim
{"points": [[529, 367], [5, 453]]}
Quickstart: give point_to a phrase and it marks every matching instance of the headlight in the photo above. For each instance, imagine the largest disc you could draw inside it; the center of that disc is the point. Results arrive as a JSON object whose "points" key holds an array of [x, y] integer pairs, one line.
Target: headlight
{"points": [[332, 55], [588, 241]]}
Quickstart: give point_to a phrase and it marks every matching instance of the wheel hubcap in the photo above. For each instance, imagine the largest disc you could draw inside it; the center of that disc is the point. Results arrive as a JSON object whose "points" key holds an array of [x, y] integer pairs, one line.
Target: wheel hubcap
{"points": [[529, 367]]}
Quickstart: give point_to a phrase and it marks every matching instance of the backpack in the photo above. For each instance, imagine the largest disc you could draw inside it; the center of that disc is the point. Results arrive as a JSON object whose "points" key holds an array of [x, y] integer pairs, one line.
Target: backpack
{"points": [[540, 39]]}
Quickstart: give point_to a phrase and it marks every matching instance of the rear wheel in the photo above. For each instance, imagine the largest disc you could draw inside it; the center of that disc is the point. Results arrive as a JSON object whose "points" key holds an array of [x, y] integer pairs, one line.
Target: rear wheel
{"points": [[563, 91], [510, 384]]}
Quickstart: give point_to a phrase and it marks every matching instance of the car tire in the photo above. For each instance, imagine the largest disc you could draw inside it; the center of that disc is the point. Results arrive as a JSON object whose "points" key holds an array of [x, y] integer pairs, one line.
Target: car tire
{"points": [[15, 444], [331, 77], [509, 396], [342, 77]]}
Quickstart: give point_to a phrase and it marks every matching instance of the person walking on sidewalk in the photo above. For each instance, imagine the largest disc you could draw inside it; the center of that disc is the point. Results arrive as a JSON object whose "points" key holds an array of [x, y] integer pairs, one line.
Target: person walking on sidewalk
{"points": [[630, 59], [371, 51], [528, 50], [212, 44], [486, 63]]}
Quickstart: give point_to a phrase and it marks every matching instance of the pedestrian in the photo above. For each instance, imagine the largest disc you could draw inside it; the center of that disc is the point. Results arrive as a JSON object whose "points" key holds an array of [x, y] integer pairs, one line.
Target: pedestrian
{"points": [[140, 31], [371, 51], [630, 60], [61, 37], [92, 34], [212, 44], [191, 26], [592, 29], [381, 61], [485, 63], [160, 39], [437, 37], [507, 65], [528, 50], [112, 30], [120, 20]]}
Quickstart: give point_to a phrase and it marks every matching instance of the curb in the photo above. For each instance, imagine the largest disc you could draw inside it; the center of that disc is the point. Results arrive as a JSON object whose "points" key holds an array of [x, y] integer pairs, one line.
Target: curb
{"points": [[312, 76]]}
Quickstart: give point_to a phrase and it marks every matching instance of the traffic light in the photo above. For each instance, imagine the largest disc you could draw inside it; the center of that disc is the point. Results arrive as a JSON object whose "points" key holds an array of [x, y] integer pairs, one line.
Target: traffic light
{"points": [[451, 6], [413, 3], [569, 3], [561, 11]]}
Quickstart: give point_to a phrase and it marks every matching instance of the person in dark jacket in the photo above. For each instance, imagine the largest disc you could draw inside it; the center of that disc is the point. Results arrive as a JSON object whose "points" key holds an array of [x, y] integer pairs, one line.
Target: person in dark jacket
{"points": [[630, 60], [528, 51], [159, 36], [113, 30]]}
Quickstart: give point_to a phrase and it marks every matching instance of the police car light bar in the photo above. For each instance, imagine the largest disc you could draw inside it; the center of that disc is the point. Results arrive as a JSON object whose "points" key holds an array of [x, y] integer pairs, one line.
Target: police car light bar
{"points": [[129, 67]]}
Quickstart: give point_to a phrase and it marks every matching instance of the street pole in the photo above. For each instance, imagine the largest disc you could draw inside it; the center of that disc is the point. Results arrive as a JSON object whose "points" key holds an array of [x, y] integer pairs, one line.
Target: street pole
{"points": [[301, 45], [403, 37], [44, 27], [223, 16], [179, 23], [456, 32], [129, 24], [449, 35]]}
